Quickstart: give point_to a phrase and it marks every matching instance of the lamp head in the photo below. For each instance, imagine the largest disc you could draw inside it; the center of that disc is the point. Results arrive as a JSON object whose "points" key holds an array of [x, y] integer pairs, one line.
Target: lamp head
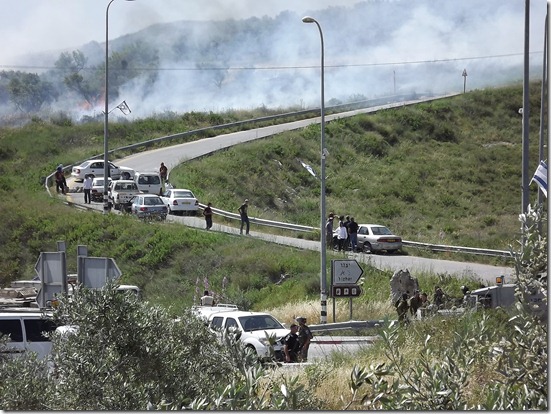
{"points": [[308, 19]]}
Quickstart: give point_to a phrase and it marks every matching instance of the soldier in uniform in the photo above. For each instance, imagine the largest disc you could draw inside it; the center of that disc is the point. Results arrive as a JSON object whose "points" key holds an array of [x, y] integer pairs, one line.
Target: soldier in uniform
{"points": [[402, 308], [304, 337], [415, 303], [291, 345]]}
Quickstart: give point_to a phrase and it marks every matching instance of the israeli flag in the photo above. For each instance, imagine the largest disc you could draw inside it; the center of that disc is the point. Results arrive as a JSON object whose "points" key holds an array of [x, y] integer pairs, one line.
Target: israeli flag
{"points": [[540, 177], [310, 170]]}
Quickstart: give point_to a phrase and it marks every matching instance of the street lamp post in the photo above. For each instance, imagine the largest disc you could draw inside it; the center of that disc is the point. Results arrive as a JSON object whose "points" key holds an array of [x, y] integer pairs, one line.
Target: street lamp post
{"points": [[106, 115], [323, 265]]}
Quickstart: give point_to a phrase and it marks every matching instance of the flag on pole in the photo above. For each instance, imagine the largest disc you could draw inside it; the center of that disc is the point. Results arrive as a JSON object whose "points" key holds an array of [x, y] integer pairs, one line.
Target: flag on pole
{"points": [[124, 108], [310, 170], [540, 177]]}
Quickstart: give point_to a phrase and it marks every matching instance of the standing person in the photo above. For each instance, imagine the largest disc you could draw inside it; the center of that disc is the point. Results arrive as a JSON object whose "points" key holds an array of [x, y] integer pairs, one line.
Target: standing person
{"points": [[402, 308], [207, 212], [415, 303], [60, 182], [163, 172], [329, 231], [291, 344], [342, 236], [353, 234], [244, 216], [346, 224], [207, 299], [304, 338], [87, 188]]}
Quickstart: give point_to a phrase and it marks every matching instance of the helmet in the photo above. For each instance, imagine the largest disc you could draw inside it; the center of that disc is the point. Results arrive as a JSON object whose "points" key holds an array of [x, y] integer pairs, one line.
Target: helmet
{"points": [[301, 319]]}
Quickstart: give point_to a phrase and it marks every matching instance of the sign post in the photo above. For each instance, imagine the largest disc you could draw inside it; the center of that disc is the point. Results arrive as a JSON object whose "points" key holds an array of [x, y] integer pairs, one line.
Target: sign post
{"points": [[344, 276]]}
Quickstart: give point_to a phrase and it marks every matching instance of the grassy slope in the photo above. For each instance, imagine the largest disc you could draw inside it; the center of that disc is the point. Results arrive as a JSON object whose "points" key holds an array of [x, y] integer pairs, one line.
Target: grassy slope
{"points": [[453, 165]]}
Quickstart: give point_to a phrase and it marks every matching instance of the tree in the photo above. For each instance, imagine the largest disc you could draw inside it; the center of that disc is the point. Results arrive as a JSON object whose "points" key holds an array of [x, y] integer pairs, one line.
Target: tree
{"points": [[126, 354], [28, 92], [72, 66]]}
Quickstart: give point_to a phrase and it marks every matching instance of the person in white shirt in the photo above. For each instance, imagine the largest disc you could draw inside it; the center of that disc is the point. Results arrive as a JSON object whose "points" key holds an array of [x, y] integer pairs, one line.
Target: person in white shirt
{"points": [[87, 187], [342, 236]]}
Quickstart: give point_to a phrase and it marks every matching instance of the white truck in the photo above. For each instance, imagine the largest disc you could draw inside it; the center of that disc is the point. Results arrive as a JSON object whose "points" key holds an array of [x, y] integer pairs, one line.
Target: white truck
{"points": [[121, 192], [256, 328]]}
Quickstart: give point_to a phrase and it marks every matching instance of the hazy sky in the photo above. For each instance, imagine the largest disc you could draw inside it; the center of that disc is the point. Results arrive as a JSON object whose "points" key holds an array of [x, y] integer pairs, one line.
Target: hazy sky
{"points": [[28, 26]]}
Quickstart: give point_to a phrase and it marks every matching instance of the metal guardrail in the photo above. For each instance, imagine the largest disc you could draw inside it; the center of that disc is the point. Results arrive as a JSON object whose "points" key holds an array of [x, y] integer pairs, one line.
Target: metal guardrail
{"points": [[458, 249], [417, 245], [350, 325]]}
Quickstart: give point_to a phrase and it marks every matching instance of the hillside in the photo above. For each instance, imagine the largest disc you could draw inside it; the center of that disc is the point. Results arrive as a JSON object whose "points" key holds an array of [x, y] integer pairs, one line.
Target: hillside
{"points": [[452, 166]]}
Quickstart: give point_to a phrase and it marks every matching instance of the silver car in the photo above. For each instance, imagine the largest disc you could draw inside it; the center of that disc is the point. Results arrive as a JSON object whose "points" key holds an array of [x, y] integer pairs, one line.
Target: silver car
{"points": [[375, 238], [148, 206]]}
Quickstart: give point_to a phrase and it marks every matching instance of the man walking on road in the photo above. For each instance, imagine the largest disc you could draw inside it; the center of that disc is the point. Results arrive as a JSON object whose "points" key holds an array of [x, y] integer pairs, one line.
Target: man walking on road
{"points": [[244, 216]]}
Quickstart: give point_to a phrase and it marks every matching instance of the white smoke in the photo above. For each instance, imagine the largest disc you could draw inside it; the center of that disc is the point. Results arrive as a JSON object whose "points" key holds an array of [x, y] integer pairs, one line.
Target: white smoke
{"points": [[372, 48]]}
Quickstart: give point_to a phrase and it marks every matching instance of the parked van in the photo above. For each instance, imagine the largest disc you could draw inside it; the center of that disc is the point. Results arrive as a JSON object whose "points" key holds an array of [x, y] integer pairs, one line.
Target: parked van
{"points": [[25, 328], [149, 182]]}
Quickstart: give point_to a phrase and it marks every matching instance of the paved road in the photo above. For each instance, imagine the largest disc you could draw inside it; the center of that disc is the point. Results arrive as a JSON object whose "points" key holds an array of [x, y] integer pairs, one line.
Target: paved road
{"points": [[177, 154]]}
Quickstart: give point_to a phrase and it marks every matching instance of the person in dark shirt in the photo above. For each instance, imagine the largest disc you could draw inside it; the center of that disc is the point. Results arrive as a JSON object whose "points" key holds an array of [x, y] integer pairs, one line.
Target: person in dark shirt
{"points": [[244, 216], [291, 345], [353, 234], [207, 212]]}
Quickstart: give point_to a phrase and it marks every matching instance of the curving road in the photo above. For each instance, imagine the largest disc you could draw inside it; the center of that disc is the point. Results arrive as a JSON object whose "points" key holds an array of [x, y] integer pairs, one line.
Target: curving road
{"points": [[177, 154]]}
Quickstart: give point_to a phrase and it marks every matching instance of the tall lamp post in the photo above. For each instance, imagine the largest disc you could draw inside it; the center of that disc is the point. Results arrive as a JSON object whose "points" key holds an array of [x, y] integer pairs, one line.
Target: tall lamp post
{"points": [[106, 115], [323, 265]]}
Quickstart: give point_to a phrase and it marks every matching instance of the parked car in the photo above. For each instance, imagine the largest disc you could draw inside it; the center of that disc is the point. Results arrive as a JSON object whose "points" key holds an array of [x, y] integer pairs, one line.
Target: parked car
{"points": [[121, 193], [148, 206], [254, 327], [149, 182], [180, 201], [25, 328], [96, 194], [375, 238], [95, 167]]}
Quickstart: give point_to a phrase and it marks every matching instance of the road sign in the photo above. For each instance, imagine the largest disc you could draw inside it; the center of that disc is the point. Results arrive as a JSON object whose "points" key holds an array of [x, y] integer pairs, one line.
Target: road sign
{"points": [[51, 270], [345, 272], [97, 271], [346, 291]]}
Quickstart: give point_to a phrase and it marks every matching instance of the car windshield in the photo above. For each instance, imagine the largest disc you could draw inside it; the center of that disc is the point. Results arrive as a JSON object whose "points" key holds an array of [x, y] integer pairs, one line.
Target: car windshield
{"points": [[259, 322], [183, 194], [380, 231], [152, 201]]}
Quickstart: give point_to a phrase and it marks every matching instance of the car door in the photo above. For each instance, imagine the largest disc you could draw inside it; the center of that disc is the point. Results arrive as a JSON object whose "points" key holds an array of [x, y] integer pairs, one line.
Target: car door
{"points": [[35, 338], [96, 168], [363, 232]]}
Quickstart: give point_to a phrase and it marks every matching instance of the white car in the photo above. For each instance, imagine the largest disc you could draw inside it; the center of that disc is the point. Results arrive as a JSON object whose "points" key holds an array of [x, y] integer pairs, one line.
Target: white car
{"points": [[180, 201], [255, 327], [25, 328], [375, 238], [96, 194], [95, 167]]}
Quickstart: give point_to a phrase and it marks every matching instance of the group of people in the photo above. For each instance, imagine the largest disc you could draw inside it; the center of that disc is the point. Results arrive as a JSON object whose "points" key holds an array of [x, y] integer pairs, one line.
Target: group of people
{"points": [[347, 234], [418, 300], [297, 341]]}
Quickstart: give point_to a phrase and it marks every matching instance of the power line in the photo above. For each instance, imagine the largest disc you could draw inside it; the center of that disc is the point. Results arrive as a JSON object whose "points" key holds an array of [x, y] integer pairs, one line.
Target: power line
{"points": [[348, 65]]}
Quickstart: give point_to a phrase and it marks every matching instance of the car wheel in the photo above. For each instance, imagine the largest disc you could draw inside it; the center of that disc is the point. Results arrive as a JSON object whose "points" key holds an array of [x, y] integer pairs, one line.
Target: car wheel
{"points": [[366, 248], [252, 348], [169, 209]]}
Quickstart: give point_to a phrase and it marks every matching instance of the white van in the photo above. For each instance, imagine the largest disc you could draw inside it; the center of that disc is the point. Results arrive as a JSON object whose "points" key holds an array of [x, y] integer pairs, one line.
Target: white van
{"points": [[149, 182], [25, 328]]}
